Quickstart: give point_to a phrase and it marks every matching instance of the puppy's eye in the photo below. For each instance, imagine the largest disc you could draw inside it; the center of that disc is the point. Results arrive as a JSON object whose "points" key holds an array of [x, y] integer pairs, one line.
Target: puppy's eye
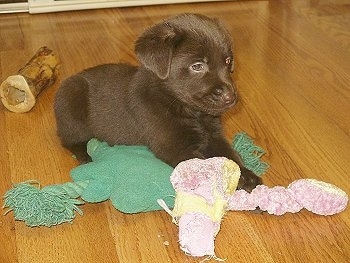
{"points": [[198, 67], [229, 63]]}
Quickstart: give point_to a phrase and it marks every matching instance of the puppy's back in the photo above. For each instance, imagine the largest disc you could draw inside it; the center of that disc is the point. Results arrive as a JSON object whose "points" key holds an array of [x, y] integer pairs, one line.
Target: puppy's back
{"points": [[89, 103]]}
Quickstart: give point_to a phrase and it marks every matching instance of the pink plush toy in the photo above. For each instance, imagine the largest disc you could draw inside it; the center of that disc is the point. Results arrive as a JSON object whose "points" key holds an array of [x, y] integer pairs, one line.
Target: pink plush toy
{"points": [[206, 189], [318, 197]]}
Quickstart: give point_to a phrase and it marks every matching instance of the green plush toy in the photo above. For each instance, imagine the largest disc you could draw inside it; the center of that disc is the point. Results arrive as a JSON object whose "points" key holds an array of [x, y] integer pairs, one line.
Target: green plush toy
{"points": [[130, 176]]}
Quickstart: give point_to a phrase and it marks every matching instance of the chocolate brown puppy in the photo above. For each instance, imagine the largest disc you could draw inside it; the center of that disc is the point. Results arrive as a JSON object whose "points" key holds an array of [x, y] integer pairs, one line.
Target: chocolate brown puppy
{"points": [[171, 102]]}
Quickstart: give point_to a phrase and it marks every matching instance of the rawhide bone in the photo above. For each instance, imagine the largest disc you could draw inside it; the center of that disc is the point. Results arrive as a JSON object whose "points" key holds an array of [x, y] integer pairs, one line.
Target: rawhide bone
{"points": [[18, 92]]}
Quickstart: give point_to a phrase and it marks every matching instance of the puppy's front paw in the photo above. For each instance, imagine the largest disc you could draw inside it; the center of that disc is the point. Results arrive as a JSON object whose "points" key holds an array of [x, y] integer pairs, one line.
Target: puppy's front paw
{"points": [[248, 180]]}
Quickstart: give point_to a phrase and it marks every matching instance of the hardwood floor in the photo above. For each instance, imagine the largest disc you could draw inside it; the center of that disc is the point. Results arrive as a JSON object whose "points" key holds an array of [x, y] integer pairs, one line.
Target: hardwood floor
{"points": [[293, 75]]}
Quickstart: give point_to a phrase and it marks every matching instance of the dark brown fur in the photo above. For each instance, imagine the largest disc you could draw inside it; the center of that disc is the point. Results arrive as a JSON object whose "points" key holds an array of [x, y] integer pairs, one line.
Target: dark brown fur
{"points": [[172, 102]]}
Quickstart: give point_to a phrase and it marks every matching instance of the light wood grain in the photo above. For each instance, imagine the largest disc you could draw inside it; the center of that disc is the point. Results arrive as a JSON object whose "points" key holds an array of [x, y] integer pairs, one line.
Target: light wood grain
{"points": [[293, 75]]}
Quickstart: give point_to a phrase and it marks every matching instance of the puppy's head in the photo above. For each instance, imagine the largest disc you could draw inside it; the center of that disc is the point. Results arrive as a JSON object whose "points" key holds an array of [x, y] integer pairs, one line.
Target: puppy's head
{"points": [[192, 54]]}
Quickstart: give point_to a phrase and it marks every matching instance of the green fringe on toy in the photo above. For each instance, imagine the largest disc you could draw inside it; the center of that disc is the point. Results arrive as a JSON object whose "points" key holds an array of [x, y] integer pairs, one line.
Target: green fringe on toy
{"points": [[49, 206], [250, 153]]}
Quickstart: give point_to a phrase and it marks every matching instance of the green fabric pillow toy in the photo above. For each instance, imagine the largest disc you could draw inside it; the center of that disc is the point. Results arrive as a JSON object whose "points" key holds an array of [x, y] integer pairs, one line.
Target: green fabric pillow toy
{"points": [[130, 176]]}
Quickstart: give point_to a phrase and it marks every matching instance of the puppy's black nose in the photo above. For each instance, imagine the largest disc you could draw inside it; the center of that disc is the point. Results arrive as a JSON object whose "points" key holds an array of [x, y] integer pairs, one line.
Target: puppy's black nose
{"points": [[228, 97]]}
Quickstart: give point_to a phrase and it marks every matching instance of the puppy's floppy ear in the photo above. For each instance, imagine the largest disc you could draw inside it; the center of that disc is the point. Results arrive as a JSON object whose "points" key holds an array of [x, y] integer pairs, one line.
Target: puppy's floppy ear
{"points": [[154, 48]]}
